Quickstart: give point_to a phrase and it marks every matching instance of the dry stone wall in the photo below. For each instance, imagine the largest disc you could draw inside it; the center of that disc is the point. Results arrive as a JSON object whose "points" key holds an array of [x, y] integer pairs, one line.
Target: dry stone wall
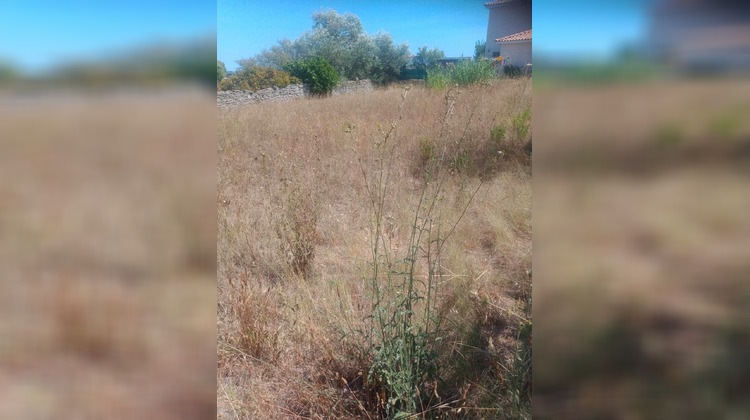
{"points": [[238, 98], [353, 86]]}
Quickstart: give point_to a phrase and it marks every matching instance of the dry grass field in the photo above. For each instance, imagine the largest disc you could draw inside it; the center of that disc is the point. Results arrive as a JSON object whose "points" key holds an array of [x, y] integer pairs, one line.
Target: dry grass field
{"points": [[315, 196], [107, 255], [642, 250]]}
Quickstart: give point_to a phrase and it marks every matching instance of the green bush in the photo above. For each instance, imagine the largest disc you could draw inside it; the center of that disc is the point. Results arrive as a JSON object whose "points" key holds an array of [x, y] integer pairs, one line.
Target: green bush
{"points": [[316, 72], [467, 73], [427, 149], [498, 133], [522, 124], [438, 79], [508, 143]]}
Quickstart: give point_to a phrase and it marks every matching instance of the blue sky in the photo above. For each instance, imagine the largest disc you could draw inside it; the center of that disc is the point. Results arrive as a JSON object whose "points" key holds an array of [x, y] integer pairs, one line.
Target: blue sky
{"points": [[247, 27], [587, 28], [39, 34], [574, 28]]}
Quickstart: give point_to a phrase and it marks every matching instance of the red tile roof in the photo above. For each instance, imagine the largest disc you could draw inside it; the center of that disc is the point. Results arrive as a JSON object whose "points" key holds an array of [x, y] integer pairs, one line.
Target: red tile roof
{"points": [[496, 2], [521, 36]]}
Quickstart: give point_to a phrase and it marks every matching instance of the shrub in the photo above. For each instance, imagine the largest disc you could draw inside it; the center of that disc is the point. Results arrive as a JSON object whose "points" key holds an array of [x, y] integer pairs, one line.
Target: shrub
{"points": [[467, 73], [257, 78], [316, 72], [464, 73], [438, 79], [265, 77], [234, 82], [427, 149], [513, 146], [522, 124], [498, 133]]}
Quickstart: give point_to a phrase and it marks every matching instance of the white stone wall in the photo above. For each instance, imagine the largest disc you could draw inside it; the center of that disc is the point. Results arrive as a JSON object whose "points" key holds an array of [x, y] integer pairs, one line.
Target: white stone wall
{"points": [[238, 98]]}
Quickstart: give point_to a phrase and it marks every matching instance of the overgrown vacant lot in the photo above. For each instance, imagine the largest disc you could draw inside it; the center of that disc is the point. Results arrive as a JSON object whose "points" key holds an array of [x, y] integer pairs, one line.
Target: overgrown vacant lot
{"points": [[374, 255], [107, 255], [641, 286]]}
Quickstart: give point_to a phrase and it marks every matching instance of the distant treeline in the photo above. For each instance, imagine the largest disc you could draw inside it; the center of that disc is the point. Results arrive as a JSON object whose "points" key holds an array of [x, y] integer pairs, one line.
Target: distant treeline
{"points": [[354, 54]]}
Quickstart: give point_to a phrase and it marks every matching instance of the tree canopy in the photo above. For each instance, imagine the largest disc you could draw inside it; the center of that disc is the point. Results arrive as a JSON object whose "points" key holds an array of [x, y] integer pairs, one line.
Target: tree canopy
{"points": [[479, 49], [342, 42], [428, 59], [221, 71]]}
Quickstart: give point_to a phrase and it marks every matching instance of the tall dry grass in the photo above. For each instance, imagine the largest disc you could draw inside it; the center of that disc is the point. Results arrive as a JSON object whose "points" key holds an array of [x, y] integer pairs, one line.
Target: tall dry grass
{"points": [[295, 235], [641, 284], [107, 255]]}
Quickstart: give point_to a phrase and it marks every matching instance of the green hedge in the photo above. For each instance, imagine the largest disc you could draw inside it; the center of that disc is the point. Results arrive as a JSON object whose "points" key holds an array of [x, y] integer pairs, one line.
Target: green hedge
{"points": [[316, 72]]}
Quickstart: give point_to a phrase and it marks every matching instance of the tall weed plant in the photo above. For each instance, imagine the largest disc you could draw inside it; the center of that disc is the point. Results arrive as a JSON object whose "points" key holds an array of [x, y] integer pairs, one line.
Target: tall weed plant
{"points": [[403, 331]]}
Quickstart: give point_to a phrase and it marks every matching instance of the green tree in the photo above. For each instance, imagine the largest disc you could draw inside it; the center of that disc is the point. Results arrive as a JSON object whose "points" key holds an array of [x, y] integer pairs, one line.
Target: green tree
{"points": [[250, 62], [363, 59], [341, 41], [317, 73], [221, 71], [391, 58], [479, 49], [428, 59], [277, 56], [346, 28]]}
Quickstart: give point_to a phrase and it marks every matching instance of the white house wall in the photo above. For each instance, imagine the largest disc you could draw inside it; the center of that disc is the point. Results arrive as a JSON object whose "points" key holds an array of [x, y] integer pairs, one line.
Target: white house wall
{"points": [[504, 20], [519, 53]]}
